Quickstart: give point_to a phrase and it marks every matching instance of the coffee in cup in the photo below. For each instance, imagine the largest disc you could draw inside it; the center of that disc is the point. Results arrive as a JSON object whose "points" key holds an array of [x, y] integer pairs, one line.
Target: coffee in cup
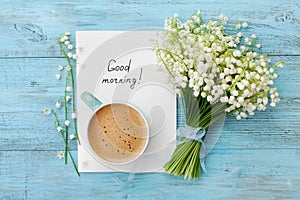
{"points": [[118, 133]]}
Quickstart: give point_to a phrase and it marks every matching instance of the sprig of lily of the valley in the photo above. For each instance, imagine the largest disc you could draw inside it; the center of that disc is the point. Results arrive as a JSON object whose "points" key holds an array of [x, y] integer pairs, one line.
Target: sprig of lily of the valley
{"points": [[66, 103]]}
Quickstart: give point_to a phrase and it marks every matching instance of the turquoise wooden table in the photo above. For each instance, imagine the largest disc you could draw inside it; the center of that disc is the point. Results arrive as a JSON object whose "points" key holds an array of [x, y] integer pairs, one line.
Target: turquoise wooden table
{"points": [[256, 158]]}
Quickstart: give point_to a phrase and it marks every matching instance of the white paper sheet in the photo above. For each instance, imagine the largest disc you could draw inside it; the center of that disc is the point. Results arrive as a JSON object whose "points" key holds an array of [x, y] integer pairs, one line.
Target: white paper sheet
{"points": [[151, 93]]}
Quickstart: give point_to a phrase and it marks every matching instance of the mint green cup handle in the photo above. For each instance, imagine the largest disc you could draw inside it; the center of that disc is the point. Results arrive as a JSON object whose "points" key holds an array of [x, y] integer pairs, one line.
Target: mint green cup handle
{"points": [[90, 100]]}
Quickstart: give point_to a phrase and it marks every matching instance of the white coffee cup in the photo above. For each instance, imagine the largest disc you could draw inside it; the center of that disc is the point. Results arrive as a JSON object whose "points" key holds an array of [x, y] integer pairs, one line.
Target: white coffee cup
{"points": [[111, 145]]}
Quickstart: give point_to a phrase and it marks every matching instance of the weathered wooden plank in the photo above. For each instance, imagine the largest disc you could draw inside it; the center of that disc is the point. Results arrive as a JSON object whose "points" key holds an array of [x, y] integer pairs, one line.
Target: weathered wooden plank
{"points": [[31, 28], [28, 86], [36, 76], [262, 174]]}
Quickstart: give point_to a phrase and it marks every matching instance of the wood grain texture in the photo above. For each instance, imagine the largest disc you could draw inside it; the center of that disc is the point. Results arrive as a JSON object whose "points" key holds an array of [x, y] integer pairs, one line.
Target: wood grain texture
{"points": [[256, 158], [258, 178], [36, 24]]}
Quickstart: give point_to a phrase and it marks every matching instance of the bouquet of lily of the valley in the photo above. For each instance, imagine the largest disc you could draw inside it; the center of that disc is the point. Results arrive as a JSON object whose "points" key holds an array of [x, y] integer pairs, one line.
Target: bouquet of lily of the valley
{"points": [[217, 72]]}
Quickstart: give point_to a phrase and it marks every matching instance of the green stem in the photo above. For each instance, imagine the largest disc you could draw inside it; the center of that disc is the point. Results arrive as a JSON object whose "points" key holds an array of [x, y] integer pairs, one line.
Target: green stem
{"points": [[166, 67], [63, 137], [73, 99], [188, 159], [199, 112], [173, 54], [213, 113], [66, 118], [195, 157], [73, 87], [73, 105], [74, 164], [185, 160]]}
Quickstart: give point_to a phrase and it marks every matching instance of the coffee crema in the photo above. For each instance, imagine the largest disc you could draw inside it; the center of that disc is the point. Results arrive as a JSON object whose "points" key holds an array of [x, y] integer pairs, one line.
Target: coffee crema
{"points": [[117, 133]]}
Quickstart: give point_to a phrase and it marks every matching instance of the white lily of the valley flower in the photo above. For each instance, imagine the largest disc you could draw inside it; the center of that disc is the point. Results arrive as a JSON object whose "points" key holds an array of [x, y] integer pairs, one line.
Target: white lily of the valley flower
{"points": [[47, 111], [68, 98], [70, 46], [68, 88], [67, 42], [241, 73], [74, 115], [57, 76], [280, 65], [67, 122], [244, 24], [70, 55], [58, 104], [68, 68], [60, 68], [236, 53], [75, 56], [61, 155], [72, 136], [59, 128], [244, 115]]}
